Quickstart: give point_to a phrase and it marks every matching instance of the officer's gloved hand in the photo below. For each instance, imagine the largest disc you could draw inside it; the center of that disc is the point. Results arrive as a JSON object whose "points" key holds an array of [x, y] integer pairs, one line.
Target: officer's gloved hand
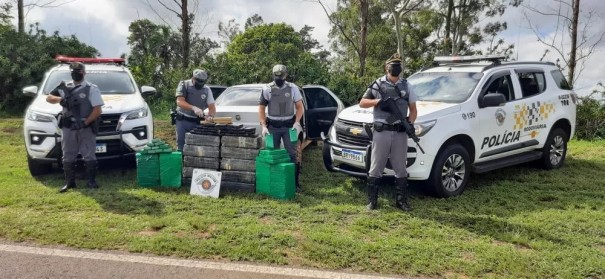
{"points": [[382, 104], [265, 131], [209, 118], [297, 126], [63, 102], [198, 111]]}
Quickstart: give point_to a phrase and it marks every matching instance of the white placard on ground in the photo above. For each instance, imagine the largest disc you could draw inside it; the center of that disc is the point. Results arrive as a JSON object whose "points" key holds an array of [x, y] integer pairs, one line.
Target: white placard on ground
{"points": [[205, 182]]}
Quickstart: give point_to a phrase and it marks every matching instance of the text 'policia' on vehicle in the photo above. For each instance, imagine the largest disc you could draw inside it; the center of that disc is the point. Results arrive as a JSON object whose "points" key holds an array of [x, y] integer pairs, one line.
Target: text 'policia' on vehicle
{"points": [[126, 124], [475, 113]]}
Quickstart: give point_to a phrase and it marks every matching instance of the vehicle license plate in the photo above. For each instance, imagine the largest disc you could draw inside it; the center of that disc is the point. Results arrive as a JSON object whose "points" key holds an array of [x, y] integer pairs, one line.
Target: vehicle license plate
{"points": [[352, 155], [101, 148]]}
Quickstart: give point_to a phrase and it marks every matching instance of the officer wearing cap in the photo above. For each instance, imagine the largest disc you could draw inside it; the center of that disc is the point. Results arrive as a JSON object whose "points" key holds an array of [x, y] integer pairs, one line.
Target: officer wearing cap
{"points": [[284, 106], [193, 96], [389, 142], [81, 102]]}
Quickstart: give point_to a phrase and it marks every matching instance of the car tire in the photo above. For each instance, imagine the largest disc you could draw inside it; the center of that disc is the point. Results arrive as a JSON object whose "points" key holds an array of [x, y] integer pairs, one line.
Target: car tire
{"points": [[327, 157], [554, 150], [450, 172], [37, 168]]}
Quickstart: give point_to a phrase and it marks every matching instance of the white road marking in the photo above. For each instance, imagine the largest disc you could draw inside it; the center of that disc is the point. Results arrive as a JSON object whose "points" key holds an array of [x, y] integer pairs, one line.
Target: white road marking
{"points": [[271, 270]]}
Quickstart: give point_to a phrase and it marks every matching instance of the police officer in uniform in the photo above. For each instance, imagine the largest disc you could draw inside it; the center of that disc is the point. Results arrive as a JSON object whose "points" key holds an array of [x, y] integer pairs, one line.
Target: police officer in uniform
{"points": [[193, 96], [389, 142], [81, 102], [283, 101]]}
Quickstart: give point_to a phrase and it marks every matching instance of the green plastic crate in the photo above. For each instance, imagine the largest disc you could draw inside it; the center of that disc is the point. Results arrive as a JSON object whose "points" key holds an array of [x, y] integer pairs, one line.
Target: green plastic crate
{"points": [[148, 170], [171, 165]]}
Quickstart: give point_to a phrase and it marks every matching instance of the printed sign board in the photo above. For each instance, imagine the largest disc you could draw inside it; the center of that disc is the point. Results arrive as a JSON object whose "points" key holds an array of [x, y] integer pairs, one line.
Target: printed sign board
{"points": [[205, 182]]}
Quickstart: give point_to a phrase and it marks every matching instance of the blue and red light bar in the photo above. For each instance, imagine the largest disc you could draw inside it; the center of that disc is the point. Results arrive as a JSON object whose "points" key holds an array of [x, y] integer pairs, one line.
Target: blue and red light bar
{"points": [[67, 59]]}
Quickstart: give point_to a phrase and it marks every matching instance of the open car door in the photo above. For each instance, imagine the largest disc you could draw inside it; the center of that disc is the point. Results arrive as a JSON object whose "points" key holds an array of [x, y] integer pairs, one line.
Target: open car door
{"points": [[322, 108]]}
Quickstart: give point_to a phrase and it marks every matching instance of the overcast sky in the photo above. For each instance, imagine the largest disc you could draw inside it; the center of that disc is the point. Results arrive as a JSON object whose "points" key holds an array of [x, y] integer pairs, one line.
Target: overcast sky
{"points": [[103, 24]]}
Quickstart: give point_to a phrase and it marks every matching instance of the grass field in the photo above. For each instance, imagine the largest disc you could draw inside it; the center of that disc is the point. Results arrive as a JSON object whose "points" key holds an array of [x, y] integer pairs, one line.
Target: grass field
{"points": [[518, 222]]}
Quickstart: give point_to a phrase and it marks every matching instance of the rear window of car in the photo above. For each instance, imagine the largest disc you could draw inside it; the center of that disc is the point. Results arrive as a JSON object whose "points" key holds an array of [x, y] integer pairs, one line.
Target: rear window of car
{"points": [[560, 80], [109, 82], [239, 97]]}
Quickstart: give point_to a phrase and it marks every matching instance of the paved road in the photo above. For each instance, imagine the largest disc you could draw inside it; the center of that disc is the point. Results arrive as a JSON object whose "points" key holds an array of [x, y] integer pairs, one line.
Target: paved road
{"points": [[19, 261]]}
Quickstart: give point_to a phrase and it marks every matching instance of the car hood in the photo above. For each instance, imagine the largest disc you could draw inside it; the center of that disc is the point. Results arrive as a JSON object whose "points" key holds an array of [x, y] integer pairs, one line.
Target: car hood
{"points": [[426, 111], [113, 104]]}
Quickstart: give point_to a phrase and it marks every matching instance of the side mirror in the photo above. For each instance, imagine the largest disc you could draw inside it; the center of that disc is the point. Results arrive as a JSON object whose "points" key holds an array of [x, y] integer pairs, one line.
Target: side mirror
{"points": [[493, 100], [148, 90], [30, 91]]}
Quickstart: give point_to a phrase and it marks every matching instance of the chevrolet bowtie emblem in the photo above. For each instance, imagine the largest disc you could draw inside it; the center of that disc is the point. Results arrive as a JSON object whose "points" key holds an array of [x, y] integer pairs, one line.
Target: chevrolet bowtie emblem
{"points": [[355, 131]]}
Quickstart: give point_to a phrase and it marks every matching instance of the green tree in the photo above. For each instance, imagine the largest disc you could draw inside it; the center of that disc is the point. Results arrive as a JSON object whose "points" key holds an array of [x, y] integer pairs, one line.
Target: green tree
{"points": [[459, 30], [24, 57], [251, 55]]}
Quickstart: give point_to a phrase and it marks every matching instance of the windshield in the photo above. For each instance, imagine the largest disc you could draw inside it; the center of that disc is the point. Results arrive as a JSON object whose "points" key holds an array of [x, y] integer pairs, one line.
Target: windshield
{"points": [[444, 87], [109, 82], [239, 97]]}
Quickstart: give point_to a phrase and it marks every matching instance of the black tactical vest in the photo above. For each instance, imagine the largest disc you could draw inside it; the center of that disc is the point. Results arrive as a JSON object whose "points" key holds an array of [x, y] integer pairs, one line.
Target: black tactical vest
{"points": [[399, 92], [281, 103], [79, 104]]}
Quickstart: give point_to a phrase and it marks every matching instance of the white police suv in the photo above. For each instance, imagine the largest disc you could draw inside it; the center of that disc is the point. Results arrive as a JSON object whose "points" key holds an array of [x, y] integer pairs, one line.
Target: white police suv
{"points": [[474, 114], [126, 124]]}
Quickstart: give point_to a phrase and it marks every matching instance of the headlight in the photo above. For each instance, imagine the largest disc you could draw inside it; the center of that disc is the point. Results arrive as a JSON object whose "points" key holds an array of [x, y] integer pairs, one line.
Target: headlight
{"points": [[139, 113], [424, 127], [39, 117]]}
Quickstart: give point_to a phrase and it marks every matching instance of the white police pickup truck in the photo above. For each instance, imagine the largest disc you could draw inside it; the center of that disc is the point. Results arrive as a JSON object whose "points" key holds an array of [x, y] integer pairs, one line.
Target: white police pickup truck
{"points": [[126, 123], [475, 113]]}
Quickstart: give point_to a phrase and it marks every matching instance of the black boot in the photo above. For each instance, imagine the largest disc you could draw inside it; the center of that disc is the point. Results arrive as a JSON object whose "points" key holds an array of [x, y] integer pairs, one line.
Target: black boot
{"points": [[69, 168], [402, 194], [91, 172], [372, 193], [296, 175]]}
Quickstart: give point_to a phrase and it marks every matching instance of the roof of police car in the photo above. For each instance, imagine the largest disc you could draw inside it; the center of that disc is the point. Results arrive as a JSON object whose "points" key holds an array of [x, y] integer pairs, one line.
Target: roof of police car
{"points": [[480, 67], [94, 67]]}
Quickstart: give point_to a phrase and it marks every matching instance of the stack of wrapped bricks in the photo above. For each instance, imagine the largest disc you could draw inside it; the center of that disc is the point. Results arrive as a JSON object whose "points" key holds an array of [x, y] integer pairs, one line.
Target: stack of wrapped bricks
{"points": [[230, 149], [275, 174], [158, 165]]}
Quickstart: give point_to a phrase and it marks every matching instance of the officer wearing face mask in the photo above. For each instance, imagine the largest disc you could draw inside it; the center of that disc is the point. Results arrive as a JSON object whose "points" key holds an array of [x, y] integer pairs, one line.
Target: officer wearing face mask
{"points": [[81, 102], [283, 102], [192, 98], [389, 142]]}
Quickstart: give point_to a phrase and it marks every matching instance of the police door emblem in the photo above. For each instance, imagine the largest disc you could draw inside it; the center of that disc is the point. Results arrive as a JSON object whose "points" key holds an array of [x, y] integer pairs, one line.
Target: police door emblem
{"points": [[500, 116]]}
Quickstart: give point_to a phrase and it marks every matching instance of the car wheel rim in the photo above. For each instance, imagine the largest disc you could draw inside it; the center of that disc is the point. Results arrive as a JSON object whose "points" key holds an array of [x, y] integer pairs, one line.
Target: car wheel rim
{"points": [[453, 172], [557, 148]]}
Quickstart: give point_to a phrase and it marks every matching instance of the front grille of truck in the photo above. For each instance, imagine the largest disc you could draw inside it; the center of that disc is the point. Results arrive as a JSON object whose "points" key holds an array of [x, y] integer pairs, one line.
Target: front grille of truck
{"points": [[109, 122], [344, 135], [352, 140]]}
